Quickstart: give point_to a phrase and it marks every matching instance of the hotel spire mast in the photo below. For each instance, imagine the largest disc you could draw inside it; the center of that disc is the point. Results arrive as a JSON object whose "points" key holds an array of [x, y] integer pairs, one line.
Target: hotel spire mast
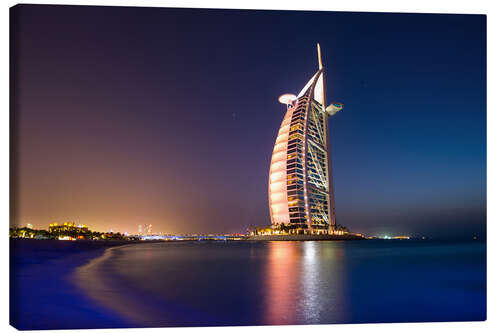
{"points": [[331, 204], [300, 177]]}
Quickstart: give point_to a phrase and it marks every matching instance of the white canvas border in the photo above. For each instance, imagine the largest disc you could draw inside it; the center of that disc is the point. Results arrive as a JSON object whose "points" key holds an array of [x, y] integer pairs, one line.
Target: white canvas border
{"points": [[491, 8]]}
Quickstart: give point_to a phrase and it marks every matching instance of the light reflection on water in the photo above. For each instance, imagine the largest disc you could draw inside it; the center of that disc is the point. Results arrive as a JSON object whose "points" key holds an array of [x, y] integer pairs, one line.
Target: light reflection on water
{"points": [[281, 282], [310, 304], [305, 283], [248, 283]]}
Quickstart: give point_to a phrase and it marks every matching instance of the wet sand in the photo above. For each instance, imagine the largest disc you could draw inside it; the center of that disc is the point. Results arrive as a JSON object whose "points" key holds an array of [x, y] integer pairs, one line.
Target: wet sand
{"points": [[41, 285]]}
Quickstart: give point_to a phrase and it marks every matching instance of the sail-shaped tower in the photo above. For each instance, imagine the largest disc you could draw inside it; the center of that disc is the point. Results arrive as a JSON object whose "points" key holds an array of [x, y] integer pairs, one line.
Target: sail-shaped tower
{"points": [[300, 176]]}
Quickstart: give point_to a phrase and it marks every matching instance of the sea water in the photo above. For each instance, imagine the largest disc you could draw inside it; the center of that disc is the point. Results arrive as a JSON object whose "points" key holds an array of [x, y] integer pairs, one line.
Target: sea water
{"points": [[311, 282]]}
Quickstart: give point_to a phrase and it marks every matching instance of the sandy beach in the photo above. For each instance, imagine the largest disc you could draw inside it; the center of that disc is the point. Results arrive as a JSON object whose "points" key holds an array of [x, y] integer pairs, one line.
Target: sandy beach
{"points": [[41, 286]]}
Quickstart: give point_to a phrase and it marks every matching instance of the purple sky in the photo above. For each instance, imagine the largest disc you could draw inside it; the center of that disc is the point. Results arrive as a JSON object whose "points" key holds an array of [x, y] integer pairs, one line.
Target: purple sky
{"points": [[127, 116]]}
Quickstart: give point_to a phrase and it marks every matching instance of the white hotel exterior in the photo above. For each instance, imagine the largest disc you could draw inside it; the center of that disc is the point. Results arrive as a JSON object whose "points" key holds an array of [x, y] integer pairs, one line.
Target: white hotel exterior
{"points": [[300, 177]]}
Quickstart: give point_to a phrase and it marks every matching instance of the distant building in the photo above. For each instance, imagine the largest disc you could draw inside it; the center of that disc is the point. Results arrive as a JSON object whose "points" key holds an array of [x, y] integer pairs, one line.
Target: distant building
{"points": [[29, 226], [146, 229], [67, 227]]}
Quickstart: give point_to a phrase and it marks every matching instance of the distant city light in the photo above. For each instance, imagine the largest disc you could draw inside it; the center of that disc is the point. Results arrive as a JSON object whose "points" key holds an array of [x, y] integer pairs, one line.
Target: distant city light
{"points": [[66, 238]]}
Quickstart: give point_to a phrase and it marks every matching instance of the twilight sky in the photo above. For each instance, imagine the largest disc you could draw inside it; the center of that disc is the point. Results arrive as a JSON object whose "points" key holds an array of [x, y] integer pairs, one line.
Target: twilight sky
{"points": [[126, 116]]}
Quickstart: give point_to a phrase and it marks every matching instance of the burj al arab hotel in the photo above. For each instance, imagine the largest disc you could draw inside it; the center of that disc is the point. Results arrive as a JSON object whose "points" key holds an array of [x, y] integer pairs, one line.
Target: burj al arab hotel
{"points": [[300, 177]]}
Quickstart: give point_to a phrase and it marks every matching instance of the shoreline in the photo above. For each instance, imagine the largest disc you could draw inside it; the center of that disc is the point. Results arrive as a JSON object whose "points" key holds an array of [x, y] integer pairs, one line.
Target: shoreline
{"points": [[99, 283], [304, 237], [41, 284]]}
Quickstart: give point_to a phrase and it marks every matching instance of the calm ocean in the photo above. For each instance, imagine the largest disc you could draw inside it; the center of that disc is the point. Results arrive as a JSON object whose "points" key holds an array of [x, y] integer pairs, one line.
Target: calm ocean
{"points": [[255, 283]]}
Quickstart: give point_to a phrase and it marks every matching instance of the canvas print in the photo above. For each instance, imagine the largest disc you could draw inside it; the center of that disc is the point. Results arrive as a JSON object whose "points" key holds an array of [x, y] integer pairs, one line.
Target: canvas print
{"points": [[176, 167]]}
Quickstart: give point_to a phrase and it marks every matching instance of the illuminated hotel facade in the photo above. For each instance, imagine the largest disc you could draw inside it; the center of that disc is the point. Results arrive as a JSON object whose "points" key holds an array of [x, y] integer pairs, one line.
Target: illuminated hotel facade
{"points": [[300, 177]]}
